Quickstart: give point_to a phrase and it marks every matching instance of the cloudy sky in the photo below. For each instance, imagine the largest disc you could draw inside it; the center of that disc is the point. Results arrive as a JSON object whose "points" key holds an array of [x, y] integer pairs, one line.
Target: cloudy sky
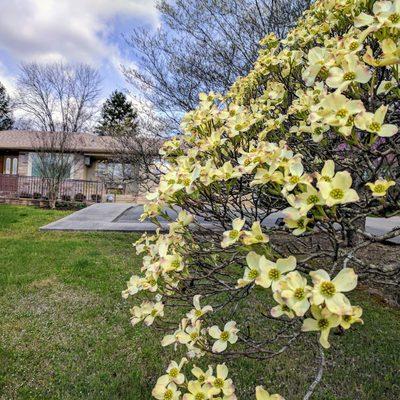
{"points": [[87, 31]]}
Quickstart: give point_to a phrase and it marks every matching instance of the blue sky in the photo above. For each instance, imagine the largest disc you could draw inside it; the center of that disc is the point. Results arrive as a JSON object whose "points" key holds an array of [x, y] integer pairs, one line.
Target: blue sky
{"points": [[87, 31]]}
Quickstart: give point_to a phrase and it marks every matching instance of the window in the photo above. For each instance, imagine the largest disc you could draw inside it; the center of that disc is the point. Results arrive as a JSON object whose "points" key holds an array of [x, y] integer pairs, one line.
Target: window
{"points": [[11, 165], [52, 165], [14, 168]]}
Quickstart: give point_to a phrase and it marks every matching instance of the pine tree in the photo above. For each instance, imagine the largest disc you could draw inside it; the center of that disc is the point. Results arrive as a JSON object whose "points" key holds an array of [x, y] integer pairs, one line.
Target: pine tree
{"points": [[117, 115], [6, 121]]}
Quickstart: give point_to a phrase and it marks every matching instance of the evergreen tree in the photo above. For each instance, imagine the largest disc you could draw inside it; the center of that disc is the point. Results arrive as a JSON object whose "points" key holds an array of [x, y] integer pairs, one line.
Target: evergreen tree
{"points": [[117, 116], [6, 121]]}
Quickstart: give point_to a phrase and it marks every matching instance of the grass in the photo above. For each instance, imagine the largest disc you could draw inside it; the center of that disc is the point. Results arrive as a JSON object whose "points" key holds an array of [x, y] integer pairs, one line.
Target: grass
{"points": [[65, 333]]}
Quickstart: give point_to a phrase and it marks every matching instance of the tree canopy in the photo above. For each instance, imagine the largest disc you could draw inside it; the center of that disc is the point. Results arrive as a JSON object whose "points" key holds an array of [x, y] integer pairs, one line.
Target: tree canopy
{"points": [[6, 120], [117, 112]]}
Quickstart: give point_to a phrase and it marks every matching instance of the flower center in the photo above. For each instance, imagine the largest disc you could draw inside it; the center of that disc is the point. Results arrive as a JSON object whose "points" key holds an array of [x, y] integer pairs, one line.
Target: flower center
{"points": [[328, 289], [379, 188], [175, 264], [224, 336], [350, 121], [349, 76], [299, 293], [219, 383], [168, 394], [375, 126], [313, 199], [260, 238], [253, 274], [323, 323], [174, 372], [201, 378], [395, 18], [274, 274], [199, 396], [198, 313], [153, 313], [285, 308], [294, 179], [326, 179], [194, 335], [151, 281], [353, 46], [346, 318], [337, 194], [342, 113], [186, 182], [233, 234], [388, 85]]}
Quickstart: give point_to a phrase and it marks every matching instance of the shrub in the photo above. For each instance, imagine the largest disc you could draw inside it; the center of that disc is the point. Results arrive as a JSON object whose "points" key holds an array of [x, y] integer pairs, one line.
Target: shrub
{"points": [[80, 197], [96, 198], [312, 131]]}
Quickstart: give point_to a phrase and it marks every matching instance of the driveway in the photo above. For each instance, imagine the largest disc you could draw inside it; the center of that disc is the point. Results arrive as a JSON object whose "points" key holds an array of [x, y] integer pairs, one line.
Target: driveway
{"points": [[122, 217]]}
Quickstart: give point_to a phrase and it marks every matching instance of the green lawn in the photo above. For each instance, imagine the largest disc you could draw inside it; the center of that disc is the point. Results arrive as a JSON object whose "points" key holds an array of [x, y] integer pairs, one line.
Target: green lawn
{"points": [[65, 333]]}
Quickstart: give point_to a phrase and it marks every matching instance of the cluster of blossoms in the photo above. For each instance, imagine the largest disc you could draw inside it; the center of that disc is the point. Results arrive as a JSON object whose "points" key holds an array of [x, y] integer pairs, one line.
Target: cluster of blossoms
{"points": [[206, 384], [312, 132]]}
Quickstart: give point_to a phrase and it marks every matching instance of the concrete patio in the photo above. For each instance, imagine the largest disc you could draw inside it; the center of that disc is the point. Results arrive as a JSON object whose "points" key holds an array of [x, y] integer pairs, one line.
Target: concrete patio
{"points": [[124, 217]]}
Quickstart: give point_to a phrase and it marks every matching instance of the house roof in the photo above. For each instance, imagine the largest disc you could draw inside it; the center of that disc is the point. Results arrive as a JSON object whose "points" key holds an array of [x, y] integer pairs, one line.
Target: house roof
{"points": [[32, 140]]}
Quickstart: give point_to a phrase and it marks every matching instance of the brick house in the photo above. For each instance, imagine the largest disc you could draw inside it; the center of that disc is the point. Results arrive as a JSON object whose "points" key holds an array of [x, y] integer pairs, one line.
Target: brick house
{"points": [[18, 153], [20, 175]]}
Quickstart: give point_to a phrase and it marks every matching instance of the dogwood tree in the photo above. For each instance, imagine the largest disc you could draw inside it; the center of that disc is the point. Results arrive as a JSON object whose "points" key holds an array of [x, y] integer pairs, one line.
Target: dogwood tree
{"points": [[311, 131]]}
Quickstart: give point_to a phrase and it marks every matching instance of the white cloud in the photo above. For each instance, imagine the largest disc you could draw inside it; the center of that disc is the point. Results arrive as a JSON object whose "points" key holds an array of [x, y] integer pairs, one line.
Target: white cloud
{"points": [[68, 30], [6, 79]]}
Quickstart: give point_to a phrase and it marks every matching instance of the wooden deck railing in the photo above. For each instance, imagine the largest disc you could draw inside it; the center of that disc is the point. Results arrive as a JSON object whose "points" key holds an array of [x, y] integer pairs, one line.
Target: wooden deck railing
{"points": [[38, 188]]}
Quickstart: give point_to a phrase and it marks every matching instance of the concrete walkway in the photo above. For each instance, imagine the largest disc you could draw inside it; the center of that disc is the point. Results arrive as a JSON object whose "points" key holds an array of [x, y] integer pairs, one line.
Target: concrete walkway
{"points": [[124, 217], [103, 217]]}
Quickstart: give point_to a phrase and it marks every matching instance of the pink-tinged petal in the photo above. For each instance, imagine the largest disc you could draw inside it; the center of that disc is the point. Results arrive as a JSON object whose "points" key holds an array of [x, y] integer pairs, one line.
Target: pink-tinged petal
{"points": [[276, 311], [233, 338], [219, 346], [301, 307], [286, 264], [222, 371], [319, 275], [388, 130], [196, 301], [338, 304], [214, 332], [309, 325], [345, 280], [231, 325]]}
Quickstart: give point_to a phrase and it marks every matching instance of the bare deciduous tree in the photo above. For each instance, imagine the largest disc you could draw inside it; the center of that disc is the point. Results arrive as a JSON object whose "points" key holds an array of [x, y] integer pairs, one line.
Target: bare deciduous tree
{"points": [[59, 99], [57, 96], [202, 45]]}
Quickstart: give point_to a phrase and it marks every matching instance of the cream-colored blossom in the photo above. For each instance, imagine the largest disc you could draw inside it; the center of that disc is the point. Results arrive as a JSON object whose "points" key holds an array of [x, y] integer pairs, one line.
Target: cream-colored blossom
{"points": [[228, 335], [262, 394], [374, 123], [198, 311], [338, 190], [323, 320], [380, 187], [331, 292], [232, 236]]}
